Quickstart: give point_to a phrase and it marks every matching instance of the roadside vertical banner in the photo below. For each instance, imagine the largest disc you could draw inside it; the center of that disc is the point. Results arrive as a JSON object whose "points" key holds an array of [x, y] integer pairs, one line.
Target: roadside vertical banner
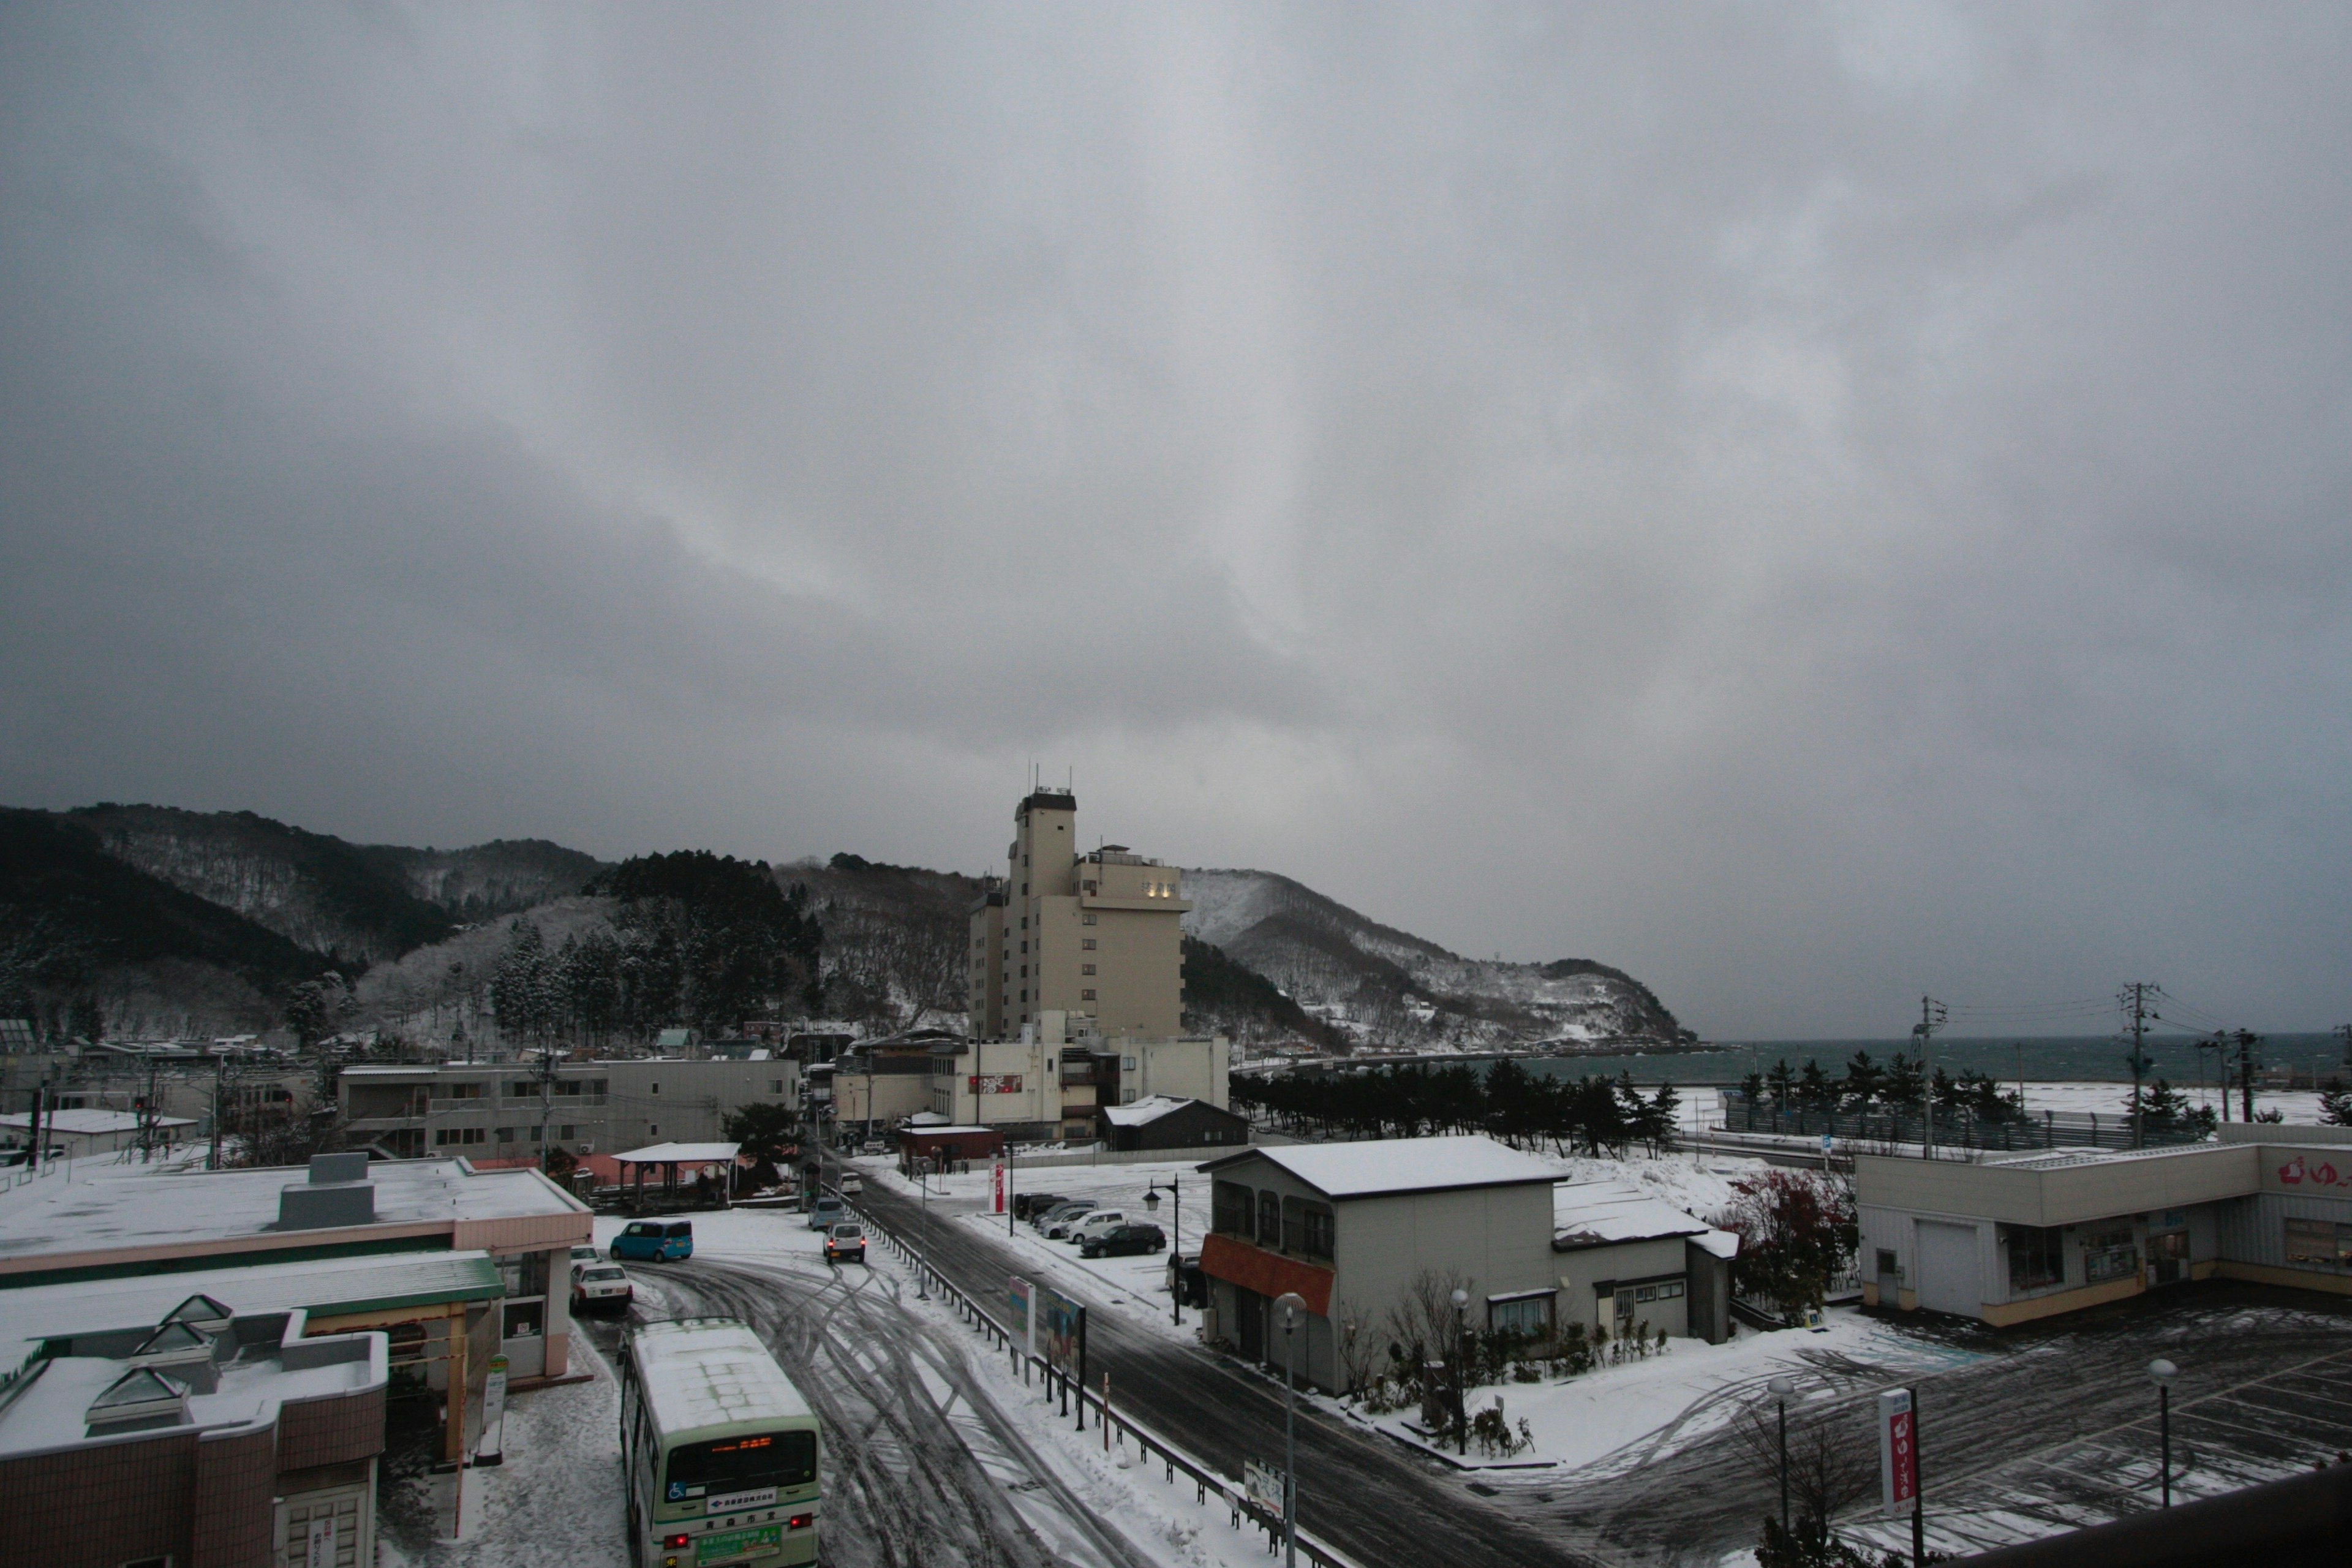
{"points": [[1898, 1452], [998, 1172], [1021, 1302], [1061, 1333]]}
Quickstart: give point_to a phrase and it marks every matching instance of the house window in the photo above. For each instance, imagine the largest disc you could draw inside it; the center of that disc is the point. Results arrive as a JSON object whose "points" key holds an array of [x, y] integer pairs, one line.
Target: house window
{"points": [[1528, 1316], [2318, 1244], [506, 1135], [1229, 1208], [656, 1088], [1307, 1227], [567, 1130], [1085, 995], [1888, 1263], [1269, 1219], [2037, 1257], [775, 1086], [653, 1129], [1127, 1064]]}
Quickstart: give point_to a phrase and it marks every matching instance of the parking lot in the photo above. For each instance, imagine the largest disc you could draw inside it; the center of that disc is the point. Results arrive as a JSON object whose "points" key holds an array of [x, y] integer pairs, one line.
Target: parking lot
{"points": [[2023, 1434]]}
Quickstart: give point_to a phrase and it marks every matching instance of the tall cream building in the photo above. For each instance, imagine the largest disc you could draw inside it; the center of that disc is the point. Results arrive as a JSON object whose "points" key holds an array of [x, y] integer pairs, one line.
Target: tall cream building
{"points": [[1092, 935]]}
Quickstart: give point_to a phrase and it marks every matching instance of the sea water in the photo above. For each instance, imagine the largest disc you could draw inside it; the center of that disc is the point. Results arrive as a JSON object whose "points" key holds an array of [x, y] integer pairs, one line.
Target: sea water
{"points": [[2069, 1059]]}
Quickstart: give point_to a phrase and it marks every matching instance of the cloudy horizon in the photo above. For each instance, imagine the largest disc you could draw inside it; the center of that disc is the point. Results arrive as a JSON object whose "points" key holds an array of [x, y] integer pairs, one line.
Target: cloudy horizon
{"points": [[1808, 505]]}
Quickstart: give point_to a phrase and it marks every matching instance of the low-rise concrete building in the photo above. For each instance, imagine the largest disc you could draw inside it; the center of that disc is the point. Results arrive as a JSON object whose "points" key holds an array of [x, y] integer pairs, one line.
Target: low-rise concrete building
{"points": [[205, 1437], [143, 1222], [585, 1108], [1050, 1083], [82, 1133], [2011, 1238]]}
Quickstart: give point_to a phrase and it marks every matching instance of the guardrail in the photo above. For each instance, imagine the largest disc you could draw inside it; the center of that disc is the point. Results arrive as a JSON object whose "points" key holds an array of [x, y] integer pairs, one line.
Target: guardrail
{"points": [[1115, 1425]]}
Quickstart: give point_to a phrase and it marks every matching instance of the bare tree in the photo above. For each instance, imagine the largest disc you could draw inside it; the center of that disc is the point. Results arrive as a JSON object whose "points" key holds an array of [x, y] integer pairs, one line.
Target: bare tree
{"points": [[1831, 1460]]}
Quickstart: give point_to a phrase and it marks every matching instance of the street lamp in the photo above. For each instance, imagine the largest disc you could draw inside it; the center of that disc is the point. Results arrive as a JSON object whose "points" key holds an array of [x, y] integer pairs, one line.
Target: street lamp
{"points": [[2164, 1372], [1175, 1246], [1290, 1304], [923, 1275], [1782, 1389], [1461, 1385]]}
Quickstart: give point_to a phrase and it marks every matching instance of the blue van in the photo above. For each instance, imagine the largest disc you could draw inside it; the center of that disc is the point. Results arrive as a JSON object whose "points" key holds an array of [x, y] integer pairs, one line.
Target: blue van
{"points": [[654, 1241]]}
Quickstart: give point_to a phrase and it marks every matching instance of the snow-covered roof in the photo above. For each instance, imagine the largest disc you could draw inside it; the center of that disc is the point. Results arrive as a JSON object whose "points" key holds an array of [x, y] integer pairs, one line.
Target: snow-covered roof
{"points": [[39, 1313], [1593, 1214], [1150, 1108], [1387, 1166], [107, 1208], [705, 1372], [680, 1154], [90, 1123], [51, 1410]]}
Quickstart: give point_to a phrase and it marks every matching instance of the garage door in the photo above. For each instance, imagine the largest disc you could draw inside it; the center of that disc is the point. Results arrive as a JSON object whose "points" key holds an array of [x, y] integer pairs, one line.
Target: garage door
{"points": [[1949, 1268]]}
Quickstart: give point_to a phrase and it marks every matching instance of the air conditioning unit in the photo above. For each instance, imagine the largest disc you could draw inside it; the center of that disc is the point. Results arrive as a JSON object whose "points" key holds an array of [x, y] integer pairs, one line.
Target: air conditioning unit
{"points": [[587, 1148]]}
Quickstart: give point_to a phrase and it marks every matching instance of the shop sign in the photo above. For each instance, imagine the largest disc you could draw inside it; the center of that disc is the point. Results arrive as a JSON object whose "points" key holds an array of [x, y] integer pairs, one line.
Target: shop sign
{"points": [[1898, 1451]]}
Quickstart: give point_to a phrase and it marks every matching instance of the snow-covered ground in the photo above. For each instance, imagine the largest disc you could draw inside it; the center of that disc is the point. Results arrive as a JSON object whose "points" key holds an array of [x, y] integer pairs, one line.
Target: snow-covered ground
{"points": [[1616, 1417]]}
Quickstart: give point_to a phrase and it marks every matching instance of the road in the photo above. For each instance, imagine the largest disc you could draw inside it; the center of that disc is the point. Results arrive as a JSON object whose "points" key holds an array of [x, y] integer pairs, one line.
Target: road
{"points": [[921, 1470], [1365, 1496]]}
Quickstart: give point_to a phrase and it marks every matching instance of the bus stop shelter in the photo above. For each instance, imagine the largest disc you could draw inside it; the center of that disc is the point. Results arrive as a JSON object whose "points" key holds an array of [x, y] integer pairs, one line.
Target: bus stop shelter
{"points": [[669, 1158]]}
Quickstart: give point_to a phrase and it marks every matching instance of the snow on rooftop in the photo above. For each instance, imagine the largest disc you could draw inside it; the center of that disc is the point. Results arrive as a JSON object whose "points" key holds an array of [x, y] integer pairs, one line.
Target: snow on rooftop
{"points": [[1150, 1108], [110, 1206], [39, 1312], [680, 1154], [1382, 1165], [51, 1410], [704, 1372], [1599, 1213], [1589, 1212], [90, 1123]]}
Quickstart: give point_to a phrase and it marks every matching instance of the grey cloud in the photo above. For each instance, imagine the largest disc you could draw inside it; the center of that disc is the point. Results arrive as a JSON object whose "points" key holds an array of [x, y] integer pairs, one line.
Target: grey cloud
{"points": [[1808, 505]]}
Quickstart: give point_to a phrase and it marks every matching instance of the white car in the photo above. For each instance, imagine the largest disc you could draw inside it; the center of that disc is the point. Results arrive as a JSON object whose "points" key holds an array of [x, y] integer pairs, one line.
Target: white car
{"points": [[1095, 1224], [584, 1253], [852, 1184], [601, 1285]]}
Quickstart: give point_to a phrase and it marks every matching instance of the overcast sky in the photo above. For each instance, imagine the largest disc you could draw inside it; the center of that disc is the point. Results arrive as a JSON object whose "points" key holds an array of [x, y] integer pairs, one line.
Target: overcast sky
{"points": [[1811, 506]]}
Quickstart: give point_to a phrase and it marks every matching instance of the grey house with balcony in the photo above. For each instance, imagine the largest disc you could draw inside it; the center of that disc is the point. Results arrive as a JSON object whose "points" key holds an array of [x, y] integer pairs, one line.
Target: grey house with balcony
{"points": [[1351, 1227]]}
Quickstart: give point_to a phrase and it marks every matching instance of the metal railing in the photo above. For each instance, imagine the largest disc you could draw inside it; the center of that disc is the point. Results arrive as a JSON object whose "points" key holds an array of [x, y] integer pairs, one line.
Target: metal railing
{"points": [[2043, 1129], [1116, 1426]]}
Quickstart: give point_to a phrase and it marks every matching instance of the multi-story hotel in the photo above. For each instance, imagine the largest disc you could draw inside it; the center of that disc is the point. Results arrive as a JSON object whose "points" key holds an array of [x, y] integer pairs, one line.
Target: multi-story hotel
{"points": [[1095, 935]]}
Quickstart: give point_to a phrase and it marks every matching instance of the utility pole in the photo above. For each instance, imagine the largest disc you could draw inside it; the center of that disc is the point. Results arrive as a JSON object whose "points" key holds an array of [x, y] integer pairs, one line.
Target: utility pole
{"points": [[1932, 1016], [2247, 1040], [2133, 999]]}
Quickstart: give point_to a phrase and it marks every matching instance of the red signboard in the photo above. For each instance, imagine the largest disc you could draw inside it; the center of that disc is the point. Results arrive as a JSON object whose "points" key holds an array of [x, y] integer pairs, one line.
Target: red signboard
{"points": [[1898, 1451], [997, 1186], [994, 1083]]}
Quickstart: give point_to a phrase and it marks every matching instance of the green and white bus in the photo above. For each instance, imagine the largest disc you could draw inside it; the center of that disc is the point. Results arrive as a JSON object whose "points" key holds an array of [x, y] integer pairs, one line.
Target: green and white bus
{"points": [[718, 1449]]}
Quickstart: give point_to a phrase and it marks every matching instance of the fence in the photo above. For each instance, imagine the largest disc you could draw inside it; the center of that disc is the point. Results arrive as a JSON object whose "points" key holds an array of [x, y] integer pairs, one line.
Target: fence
{"points": [[1964, 1130], [1115, 1425]]}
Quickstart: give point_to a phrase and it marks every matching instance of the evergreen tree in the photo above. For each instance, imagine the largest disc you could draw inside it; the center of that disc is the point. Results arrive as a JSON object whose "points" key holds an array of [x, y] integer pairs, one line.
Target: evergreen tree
{"points": [[1864, 1082], [2335, 1103]]}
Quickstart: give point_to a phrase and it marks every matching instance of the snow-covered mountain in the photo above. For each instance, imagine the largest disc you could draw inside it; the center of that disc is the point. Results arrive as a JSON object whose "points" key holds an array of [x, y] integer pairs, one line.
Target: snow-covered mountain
{"points": [[1399, 987]]}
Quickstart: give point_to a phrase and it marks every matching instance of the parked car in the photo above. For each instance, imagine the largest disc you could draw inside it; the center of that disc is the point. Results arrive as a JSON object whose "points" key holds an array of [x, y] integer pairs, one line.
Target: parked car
{"points": [[1058, 1221], [1121, 1238], [1095, 1221], [655, 1241], [1029, 1205], [826, 1212], [852, 1185], [601, 1285], [585, 1252], [845, 1243]]}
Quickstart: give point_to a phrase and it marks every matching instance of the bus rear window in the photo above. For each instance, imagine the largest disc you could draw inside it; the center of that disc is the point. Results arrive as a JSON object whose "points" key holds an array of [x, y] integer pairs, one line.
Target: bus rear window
{"points": [[743, 1464]]}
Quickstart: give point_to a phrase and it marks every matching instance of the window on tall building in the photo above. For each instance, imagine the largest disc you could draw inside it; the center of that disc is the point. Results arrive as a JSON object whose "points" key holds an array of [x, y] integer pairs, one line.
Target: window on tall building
{"points": [[1087, 943], [1085, 995], [1086, 968], [1087, 920]]}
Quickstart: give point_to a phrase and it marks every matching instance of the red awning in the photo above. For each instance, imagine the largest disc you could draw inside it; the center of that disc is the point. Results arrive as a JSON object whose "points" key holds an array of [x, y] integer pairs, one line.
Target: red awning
{"points": [[1267, 1273]]}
